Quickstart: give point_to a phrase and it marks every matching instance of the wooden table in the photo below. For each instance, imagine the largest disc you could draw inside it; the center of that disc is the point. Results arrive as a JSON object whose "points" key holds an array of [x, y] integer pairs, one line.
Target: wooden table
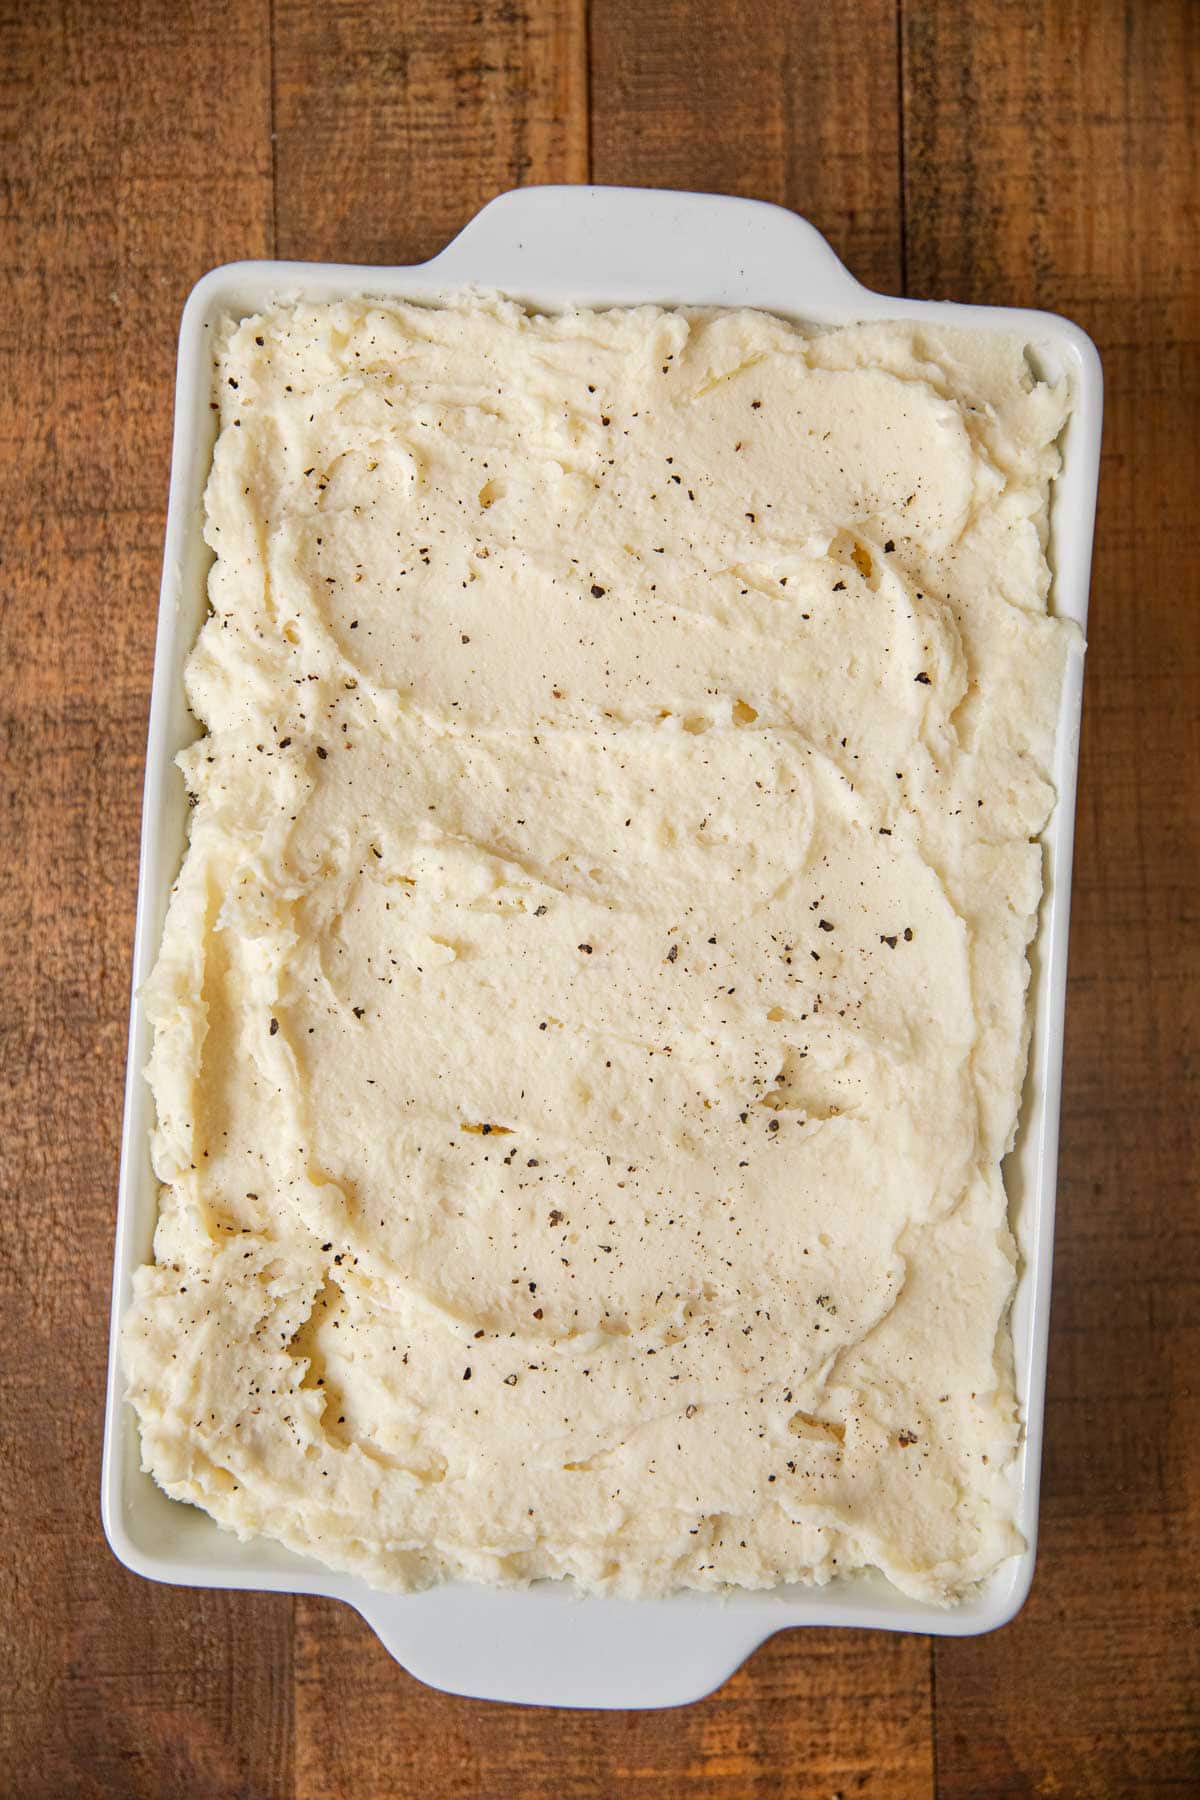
{"points": [[1033, 154]]}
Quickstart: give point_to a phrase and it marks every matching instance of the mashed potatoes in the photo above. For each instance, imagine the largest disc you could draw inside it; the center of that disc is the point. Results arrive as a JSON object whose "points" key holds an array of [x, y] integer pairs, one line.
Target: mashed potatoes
{"points": [[591, 1013]]}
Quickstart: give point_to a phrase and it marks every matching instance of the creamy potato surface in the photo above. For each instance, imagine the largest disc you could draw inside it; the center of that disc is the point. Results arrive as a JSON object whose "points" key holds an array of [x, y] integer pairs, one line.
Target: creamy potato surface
{"points": [[591, 1014]]}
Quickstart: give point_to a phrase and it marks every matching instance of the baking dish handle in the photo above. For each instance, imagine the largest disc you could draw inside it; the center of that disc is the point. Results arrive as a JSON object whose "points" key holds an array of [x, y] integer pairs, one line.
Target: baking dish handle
{"points": [[528, 1648], [623, 244]]}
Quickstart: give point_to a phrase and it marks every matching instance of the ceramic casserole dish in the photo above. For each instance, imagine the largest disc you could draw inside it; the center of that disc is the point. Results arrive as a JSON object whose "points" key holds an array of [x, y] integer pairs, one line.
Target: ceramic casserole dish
{"points": [[553, 247]]}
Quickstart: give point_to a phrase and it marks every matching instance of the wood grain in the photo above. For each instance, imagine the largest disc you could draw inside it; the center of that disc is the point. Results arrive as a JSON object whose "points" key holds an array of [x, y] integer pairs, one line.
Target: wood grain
{"points": [[136, 154], [394, 124], [1012, 150], [1087, 112]]}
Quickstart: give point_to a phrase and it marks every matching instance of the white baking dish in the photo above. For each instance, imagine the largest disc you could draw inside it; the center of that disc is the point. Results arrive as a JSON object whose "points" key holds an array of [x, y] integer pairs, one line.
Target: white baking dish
{"points": [[599, 246]]}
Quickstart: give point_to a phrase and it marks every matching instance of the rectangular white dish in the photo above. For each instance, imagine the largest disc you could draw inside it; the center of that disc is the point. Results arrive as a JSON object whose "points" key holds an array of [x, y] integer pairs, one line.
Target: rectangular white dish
{"points": [[599, 246]]}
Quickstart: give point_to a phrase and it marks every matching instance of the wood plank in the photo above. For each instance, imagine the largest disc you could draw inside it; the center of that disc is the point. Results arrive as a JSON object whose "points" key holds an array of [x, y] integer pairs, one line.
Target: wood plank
{"points": [[1051, 160], [794, 101], [136, 155], [801, 108], [395, 124]]}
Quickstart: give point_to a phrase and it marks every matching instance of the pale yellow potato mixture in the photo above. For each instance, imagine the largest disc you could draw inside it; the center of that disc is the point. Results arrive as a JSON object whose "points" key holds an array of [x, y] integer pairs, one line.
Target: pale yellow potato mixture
{"points": [[592, 1010]]}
